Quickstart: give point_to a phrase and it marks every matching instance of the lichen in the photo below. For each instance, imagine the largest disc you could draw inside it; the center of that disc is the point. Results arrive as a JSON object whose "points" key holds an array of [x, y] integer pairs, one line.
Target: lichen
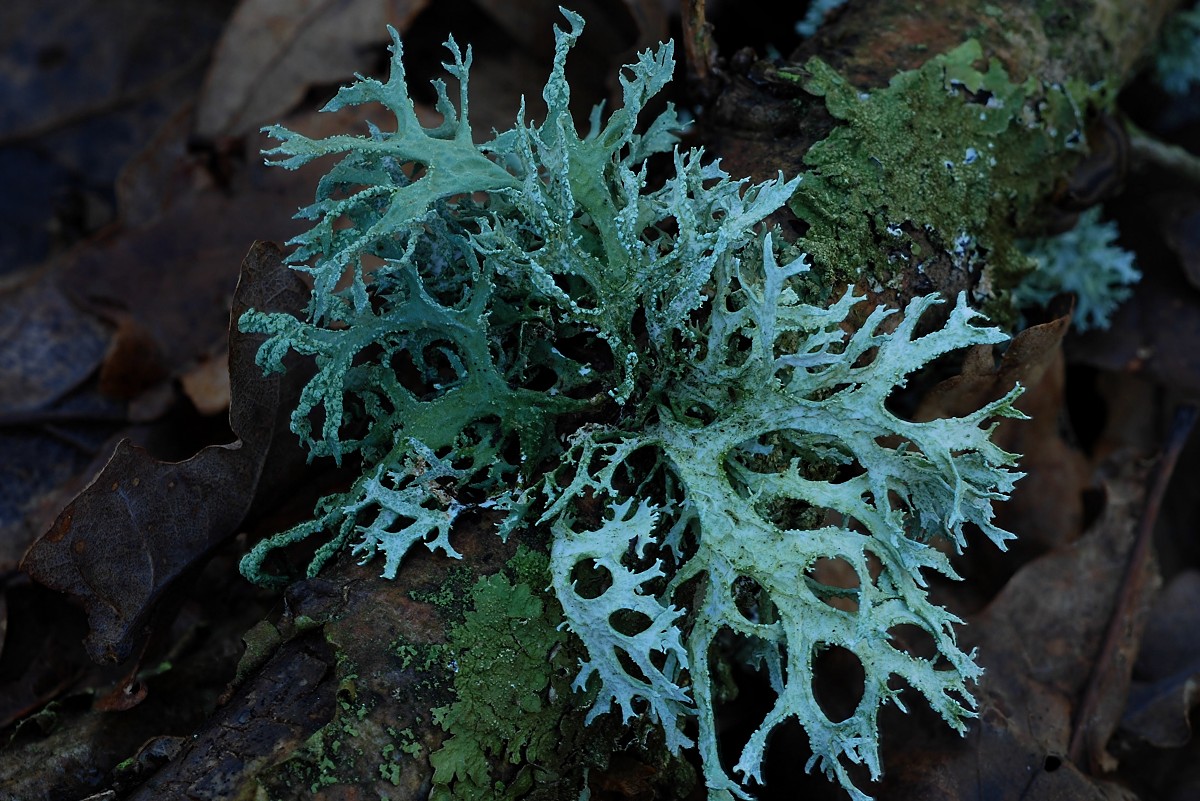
{"points": [[1085, 261], [949, 154], [512, 668], [627, 368], [1177, 62]]}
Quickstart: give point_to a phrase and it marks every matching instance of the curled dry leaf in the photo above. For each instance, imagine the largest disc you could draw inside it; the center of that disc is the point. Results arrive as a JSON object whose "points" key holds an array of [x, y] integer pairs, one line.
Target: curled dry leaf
{"points": [[273, 51], [142, 523], [134, 361]]}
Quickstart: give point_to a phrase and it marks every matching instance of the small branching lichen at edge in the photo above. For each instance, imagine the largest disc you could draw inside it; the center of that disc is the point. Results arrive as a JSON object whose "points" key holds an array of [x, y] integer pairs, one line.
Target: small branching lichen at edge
{"points": [[1085, 261], [528, 328]]}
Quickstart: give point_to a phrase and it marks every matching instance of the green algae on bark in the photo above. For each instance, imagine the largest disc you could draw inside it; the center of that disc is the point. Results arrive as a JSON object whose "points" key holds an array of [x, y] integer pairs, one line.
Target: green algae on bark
{"points": [[948, 158]]}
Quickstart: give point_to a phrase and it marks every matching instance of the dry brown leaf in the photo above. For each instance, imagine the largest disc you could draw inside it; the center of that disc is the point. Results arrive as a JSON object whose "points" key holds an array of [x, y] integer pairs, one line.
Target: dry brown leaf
{"points": [[134, 362], [84, 85], [174, 277], [50, 346], [207, 385], [273, 51], [1167, 684], [142, 524], [51, 417]]}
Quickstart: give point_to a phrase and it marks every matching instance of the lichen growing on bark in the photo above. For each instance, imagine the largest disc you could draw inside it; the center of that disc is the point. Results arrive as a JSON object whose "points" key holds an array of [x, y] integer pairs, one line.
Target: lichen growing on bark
{"points": [[953, 156]]}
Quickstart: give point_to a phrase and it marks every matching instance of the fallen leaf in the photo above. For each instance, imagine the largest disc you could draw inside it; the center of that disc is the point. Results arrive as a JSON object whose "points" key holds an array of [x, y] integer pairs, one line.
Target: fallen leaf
{"points": [[52, 421], [142, 523], [273, 51], [1031, 353], [1166, 686], [84, 85], [51, 346], [1048, 507]]}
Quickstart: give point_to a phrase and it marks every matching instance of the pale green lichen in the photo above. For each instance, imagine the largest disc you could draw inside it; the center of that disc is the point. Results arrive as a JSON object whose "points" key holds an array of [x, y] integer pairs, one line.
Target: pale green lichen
{"points": [[529, 327], [1085, 261], [502, 661], [1177, 62], [510, 670]]}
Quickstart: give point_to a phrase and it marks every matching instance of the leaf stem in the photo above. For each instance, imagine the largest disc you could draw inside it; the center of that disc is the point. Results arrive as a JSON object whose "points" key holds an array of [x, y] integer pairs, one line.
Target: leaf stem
{"points": [[1133, 582]]}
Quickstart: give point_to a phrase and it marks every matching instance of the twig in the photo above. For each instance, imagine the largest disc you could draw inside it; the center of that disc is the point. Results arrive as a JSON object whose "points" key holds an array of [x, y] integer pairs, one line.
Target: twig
{"points": [[1134, 579], [1148, 149]]}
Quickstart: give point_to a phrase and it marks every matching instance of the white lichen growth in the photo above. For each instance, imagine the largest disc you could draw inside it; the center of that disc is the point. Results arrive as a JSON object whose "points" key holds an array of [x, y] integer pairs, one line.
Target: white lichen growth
{"points": [[527, 327], [1085, 261], [1177, 60]]}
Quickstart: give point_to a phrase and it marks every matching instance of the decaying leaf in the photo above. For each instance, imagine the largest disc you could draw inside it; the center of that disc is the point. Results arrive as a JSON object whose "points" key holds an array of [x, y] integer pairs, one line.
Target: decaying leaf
{"points": [[1166, 684], [273, 51], [50, 345], [51, 420], [142, 523]]}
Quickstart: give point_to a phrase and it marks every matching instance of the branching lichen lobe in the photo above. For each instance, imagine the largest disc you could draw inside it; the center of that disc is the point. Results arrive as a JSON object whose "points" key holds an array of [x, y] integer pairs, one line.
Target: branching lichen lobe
{"points": [[632, 370]]}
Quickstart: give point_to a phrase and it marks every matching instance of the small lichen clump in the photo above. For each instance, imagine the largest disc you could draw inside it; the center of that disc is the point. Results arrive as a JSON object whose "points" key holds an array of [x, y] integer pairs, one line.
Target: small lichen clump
{"points": [[1085, 261], [1177, 63], [528, 327]]}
